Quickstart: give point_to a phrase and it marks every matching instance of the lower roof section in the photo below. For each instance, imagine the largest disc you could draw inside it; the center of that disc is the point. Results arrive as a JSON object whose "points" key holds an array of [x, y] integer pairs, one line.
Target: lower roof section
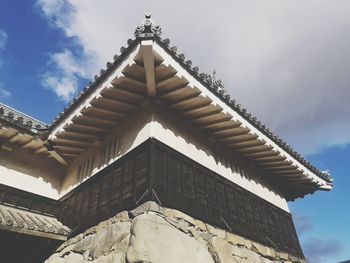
{"points": [[31, 223], [30, 214]]}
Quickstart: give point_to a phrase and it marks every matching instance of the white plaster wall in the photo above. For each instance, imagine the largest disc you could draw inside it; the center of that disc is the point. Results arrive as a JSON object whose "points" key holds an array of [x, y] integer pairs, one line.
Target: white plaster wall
{"points": [[27, 171], [27, 182]]}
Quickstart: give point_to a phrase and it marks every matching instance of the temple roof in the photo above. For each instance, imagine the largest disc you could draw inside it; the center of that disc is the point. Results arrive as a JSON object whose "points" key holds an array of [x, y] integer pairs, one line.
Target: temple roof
{"points": [[149, 67], [18, 129], [31, 223]]}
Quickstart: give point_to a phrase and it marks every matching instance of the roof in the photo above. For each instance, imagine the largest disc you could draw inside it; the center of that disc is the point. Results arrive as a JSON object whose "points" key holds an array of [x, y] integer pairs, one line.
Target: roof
{"points": [[248, 135], [18, 129], [31, 223], [20, 119]]}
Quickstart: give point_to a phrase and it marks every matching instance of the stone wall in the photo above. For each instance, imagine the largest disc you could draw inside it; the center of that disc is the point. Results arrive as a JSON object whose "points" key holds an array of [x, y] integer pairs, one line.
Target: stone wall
{"points": [[154, 234]]}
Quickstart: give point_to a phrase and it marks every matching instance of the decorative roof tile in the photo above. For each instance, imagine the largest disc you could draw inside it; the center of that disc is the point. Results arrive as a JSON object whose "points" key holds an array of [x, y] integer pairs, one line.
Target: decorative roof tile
{"points": [[22, 221], [20, 119]]}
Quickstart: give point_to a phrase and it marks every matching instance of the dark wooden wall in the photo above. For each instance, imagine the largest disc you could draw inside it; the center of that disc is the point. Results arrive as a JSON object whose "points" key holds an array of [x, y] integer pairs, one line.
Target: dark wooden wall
{"points": [[117, 187], [154, 171], [21, 199], [181, 183]]}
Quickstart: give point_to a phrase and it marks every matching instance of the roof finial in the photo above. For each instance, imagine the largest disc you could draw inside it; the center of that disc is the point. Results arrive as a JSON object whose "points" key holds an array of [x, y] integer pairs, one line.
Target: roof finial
{"points": [[148, 14], [148, 27]]}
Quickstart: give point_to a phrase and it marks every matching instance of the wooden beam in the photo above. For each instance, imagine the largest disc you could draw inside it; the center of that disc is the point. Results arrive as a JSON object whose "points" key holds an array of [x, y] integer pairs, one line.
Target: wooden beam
{"points": [[213, 119], [66, 142], [171, 83], [124, 94], [148, 61], [85, 128], [204, 111], [222, 126], [70, 149], [116, 103], [263, 154], [40, 150], [3, 130], [15, 137], [179, 94], [192, 103], [103, 111], [77, 136], [228, 132], [97, 120], [254, 149], [239, 138], [242, 145]]}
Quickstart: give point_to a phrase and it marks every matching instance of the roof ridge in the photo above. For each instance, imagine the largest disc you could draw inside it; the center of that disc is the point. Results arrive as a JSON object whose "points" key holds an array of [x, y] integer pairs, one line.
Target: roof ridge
{"points": [[19, 118]]}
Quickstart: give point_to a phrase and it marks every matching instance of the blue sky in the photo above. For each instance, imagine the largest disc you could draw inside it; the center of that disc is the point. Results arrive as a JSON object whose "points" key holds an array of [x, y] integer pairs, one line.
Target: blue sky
{"points": [[287, 62]]}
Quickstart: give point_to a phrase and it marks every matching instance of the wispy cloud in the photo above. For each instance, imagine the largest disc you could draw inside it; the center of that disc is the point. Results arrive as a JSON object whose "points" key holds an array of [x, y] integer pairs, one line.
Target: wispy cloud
{"points": [[63, 74], [286, 61], [4, 93], [302, 223], [3, 42], [321, 251], [3, 39]]}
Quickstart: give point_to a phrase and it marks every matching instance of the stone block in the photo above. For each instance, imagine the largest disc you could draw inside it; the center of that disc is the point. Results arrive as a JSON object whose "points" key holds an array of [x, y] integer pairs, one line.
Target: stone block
{"points": [[282, 255], [178, 214], [224, 250], [121, 217], [73, 258], [238, 240], [145, 208], [263, 250], [114, 237], [154, 240], [216, 231], [110, 258], [200, 225]]}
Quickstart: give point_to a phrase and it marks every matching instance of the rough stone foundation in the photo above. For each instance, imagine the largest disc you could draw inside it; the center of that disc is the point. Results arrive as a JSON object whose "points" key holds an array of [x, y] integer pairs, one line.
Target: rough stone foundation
{"points": [[154, 234]]}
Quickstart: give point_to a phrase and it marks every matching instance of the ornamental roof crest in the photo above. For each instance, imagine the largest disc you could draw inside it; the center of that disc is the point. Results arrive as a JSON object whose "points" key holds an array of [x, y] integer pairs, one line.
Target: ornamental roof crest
{"points": [[148, 27]]}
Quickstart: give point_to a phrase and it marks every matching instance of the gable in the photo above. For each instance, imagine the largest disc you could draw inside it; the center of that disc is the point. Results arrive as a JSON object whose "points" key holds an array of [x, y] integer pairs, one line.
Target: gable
{"points": [[150, 71]]}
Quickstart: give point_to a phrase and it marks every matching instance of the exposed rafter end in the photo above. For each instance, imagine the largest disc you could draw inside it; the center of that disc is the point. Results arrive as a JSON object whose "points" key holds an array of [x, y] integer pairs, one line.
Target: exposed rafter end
{"points": [[50, 148]]}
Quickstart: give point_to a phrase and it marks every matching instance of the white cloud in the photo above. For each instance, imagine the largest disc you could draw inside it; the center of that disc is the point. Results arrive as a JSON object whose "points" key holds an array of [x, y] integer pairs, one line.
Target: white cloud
{"points": [[286, 61], [68, 63], [64, 87], [64, 71], [3, 39], [4, 93]]}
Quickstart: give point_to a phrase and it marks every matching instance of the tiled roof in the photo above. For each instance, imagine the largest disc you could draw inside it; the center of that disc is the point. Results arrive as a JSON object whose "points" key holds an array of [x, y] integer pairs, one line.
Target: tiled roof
{"points": [[148, 29], [26, 222], [20, 119]]}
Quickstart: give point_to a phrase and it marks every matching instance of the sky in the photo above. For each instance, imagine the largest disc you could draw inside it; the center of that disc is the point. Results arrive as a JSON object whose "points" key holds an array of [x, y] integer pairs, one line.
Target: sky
{"points": [[287, 62]]}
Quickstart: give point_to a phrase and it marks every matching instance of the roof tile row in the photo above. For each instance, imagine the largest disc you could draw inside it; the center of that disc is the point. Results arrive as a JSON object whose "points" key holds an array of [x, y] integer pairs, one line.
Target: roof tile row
{"points": [[17, 218]]}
